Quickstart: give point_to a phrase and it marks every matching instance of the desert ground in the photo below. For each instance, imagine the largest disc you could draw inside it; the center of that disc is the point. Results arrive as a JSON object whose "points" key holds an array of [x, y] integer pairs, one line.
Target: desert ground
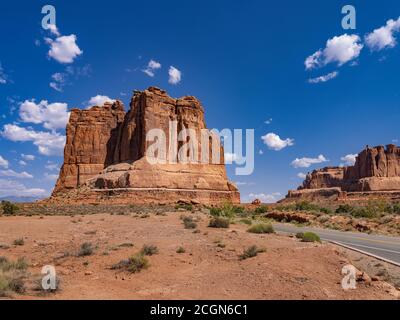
{"points": [[199, 262]]}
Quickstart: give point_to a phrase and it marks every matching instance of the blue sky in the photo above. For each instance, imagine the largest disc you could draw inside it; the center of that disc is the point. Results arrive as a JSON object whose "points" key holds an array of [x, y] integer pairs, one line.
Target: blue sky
{"points": [[244, 60]]}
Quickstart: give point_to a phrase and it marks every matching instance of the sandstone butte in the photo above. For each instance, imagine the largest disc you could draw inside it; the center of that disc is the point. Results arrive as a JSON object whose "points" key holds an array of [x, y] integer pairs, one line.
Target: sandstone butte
{"points": [[375, 174], [104, 156]]}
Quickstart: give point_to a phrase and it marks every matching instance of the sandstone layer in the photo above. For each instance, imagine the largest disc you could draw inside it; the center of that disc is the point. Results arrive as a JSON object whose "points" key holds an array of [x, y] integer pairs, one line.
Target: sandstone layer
{"points": [[106, 154], [376, 173]]}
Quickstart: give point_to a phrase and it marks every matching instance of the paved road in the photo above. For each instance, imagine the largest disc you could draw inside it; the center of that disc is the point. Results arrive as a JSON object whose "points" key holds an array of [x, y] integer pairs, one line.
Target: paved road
{"points": [[384, 247]]}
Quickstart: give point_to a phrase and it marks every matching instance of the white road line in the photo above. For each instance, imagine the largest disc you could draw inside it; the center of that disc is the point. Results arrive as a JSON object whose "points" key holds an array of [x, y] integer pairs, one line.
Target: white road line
{"points": [[368, 247], [366, 253]]}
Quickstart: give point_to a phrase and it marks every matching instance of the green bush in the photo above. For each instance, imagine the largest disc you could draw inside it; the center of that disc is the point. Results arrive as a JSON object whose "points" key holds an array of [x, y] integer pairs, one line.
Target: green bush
{"points": [[364, 212], [86, 249], [344, 208], [306, 206], [326, 210], [261, 228], [261, 209], [189, 223], [246, 221], [137, 263], [9, 208], [396, 208], [216, 212], [308, 237], [251, 252], [149, 250], [219, 222], [185, 206], [227, 210], [238, 209]]}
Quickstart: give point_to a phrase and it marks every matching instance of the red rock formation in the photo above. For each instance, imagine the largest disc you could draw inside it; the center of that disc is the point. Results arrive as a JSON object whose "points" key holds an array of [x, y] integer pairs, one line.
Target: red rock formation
{"points": [[91, 139], [106, 152], [375, 170]]}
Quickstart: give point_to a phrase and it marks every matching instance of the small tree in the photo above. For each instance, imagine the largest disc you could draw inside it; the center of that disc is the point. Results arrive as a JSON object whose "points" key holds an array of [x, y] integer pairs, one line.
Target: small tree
{"points": [[9, 208]]}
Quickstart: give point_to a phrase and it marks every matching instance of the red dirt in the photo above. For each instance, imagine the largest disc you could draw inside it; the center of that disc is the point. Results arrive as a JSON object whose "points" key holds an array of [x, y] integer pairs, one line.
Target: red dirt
{"points": [[289, 269]]}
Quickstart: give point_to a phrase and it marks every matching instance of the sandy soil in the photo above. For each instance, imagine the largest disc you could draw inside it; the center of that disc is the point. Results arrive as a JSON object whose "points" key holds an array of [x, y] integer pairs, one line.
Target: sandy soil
{"points": [[289, 269]]}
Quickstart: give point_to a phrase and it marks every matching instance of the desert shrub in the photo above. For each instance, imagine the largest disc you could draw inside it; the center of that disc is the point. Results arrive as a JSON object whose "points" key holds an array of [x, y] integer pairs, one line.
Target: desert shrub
{"points": [[306, 206], [12, 276], [9, 208], [227, 210], [149, 250], [215, 212], [189, 223], [251, 252], [180, 250], [323, 219], [185, 206], [137, 263], [326, 210], [261, 209], [288, 207], [246, 221], [134, 264], [261, 228], [396, 208], [344, 208], [219, 222], [19, 242], [308, 237], [238, 209], [86, 249], [364, 212]]}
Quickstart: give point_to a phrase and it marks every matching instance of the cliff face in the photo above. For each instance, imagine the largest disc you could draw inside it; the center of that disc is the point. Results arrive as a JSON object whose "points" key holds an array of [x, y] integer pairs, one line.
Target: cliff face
{"points": [[106, 152], [375, 169], [91, 140]]}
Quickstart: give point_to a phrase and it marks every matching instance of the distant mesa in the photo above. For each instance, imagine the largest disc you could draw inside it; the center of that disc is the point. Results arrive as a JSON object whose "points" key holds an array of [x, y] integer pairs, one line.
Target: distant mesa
{"points": [[104, 156], [376, 173]]}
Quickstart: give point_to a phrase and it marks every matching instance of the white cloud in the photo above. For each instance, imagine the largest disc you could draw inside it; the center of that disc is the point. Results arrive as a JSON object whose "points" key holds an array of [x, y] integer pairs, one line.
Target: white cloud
{"points": [[174, 75], [383, 37], [3, 162], [152, 66], [47, 143], [307, 162], [53, 116], [269, 121], [12, 173], [52, 166], [99, 100], [54, 30], [349, 159], [64, 49], [324, 78], [22, 163], [340, 49], [260, 152], [3, 75], [10, 188], [266, 198], [50, 177], [28, 157], [58, 82], [302, 175], [274, 142]]}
